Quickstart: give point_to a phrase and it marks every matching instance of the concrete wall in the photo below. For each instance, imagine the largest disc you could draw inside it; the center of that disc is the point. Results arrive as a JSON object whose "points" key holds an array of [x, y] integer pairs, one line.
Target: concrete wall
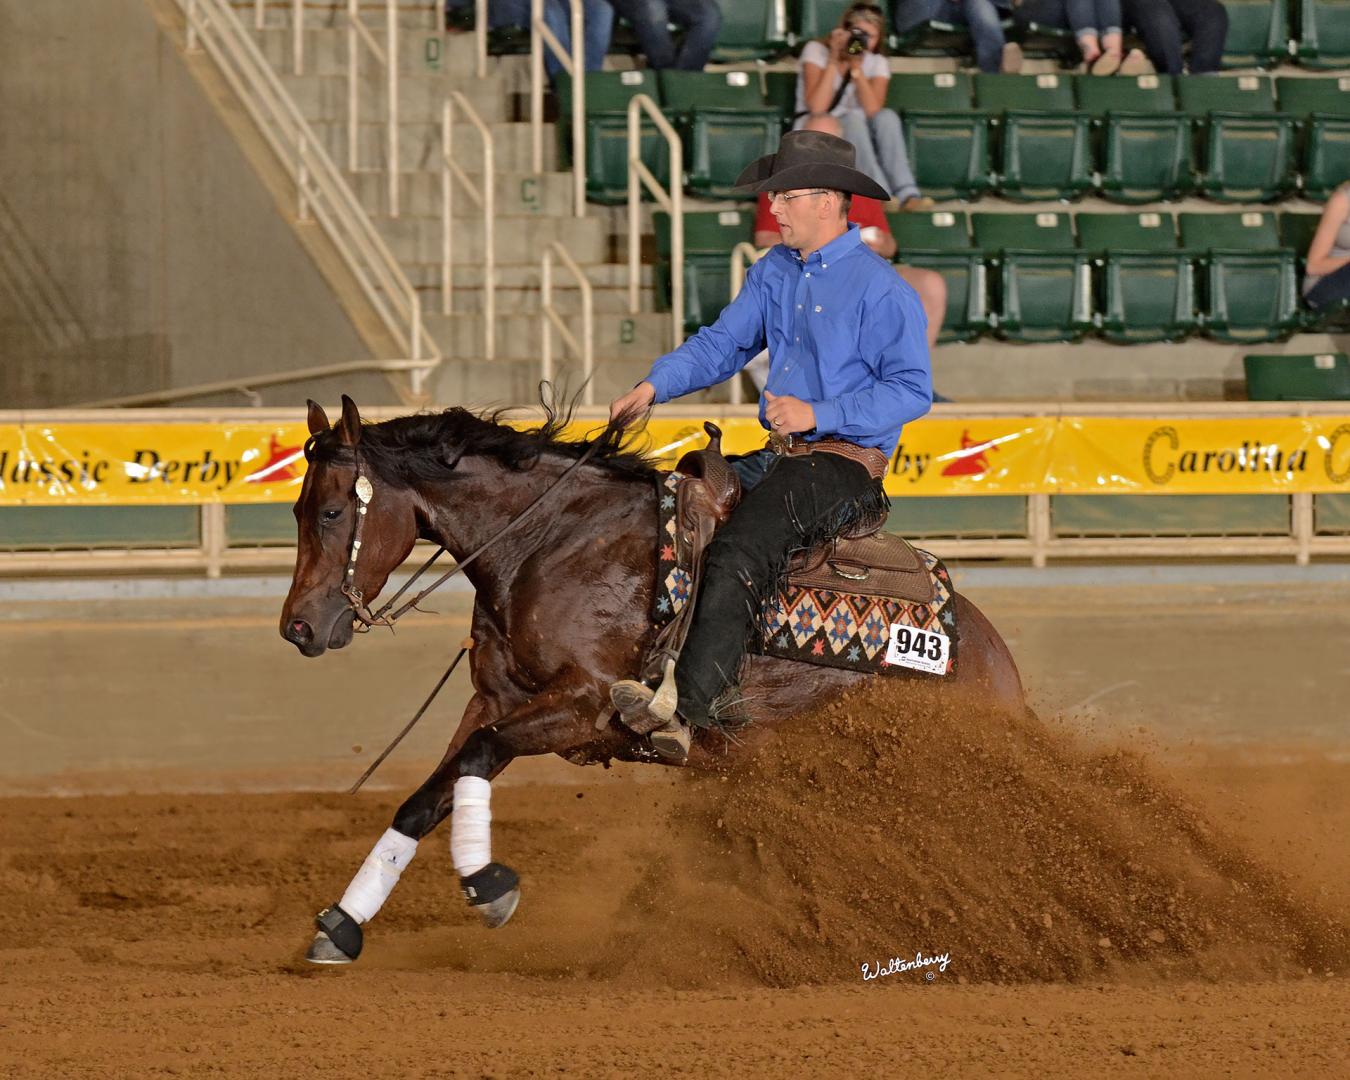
{"points": [[140, 249]]}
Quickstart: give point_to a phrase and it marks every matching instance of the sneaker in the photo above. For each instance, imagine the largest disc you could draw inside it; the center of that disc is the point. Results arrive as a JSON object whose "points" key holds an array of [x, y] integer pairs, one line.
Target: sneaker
{"points": [[672, 741], [1012, 59]]}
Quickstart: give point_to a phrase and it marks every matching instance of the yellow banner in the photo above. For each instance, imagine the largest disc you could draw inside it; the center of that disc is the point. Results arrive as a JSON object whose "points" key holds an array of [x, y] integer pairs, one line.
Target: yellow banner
{"points": [[133, 463]]}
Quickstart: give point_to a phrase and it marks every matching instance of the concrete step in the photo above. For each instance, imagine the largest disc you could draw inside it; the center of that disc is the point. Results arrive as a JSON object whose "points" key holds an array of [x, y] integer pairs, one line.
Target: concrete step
{"points": [[518, 336], [490, 382], [420, 145], [517, 193], [525, 300], [469, 275], [519, 239], [411, 14], [325, 50], [421, 98]]}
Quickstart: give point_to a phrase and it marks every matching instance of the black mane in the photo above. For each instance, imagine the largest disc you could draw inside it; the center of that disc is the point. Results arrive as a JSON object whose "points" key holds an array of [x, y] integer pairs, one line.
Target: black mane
{"points": [[427, 446]]}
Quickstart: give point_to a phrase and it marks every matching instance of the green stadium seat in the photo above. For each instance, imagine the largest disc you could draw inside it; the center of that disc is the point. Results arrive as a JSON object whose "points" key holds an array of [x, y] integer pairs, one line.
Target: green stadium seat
{"points": [[752, 30], [1246, 148], [1144, 143], [1043, 282], [1251, 284], [607, 97], [933, 37], [816, 18], [725, 123], [1146, 284], [1044, 142], [1039, 41], [709, 237], [1296, 233], [1324, 377], [1322, 107], [1258, 33], [780, 92], [947, 138], [940, 241], [1324, 33]]}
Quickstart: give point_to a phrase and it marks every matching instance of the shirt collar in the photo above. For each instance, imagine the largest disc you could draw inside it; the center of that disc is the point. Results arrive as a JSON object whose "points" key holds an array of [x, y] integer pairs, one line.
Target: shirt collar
{"points": [[835, 249]]}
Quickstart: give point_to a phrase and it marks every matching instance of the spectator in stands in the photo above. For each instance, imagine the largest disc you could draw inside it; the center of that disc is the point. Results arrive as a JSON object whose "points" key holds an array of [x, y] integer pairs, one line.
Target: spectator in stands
{"points": [[651, 19], [875, 230], [597, 24], [1327, 281], [1164, 23], [851, 88], [1097, 27], [993, 51]]}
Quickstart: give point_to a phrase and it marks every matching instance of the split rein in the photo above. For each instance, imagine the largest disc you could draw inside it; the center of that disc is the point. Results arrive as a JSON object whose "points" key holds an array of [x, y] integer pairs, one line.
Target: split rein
{"points": [[365, 493]]}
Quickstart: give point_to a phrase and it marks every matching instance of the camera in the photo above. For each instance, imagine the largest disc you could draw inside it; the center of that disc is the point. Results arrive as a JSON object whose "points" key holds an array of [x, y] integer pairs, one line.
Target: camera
{"points": [[857, 41]]}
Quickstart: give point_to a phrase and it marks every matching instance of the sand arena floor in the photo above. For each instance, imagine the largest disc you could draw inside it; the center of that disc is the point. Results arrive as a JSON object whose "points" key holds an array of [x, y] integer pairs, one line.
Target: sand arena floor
{"points": [[1155, 882]]}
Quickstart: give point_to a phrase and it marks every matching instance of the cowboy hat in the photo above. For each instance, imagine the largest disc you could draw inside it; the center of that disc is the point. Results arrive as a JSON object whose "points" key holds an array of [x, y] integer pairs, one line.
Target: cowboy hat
{"points": [[809, 159]]}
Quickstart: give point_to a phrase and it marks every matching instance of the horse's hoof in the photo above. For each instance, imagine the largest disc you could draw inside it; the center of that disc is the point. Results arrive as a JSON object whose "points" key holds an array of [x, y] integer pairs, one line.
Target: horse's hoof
{"points": [[498, 912], [323, 951]]}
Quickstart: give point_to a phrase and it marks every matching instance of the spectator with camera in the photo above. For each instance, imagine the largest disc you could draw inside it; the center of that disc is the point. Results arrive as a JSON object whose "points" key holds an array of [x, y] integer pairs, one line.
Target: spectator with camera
{"points": [[845, 76]]}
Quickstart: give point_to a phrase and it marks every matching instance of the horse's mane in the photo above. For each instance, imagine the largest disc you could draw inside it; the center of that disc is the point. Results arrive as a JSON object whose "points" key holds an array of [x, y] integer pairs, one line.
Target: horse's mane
{"points": [[427, 446]]}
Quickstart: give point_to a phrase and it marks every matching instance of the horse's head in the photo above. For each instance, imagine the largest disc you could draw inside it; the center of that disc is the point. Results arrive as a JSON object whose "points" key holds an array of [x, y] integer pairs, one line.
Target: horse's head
{"points": [[319, 612]]}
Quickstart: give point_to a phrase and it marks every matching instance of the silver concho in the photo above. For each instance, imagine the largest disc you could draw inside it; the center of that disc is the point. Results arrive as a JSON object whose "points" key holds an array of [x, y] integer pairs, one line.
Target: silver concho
{"points": [[365, 491]]}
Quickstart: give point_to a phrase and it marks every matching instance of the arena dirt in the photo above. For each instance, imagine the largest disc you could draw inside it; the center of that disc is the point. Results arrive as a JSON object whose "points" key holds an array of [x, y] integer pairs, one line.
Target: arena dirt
{"points": [[1095, 922]]}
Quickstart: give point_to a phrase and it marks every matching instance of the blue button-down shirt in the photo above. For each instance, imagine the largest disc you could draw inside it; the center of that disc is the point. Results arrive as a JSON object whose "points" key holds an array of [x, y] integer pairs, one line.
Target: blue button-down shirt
{"points": [[844, 332]]}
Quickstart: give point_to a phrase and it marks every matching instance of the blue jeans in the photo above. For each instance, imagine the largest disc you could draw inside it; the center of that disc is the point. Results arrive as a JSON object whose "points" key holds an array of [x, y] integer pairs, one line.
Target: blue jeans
{"points": [[1164, 23], [702, 19], [879, 142], [597, 25], [1082, 16], [981, 16]]}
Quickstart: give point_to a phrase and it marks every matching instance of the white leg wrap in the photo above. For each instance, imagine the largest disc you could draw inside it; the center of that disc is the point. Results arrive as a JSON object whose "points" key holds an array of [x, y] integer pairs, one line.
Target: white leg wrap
{"points": [[378, 875], [471, 825]]}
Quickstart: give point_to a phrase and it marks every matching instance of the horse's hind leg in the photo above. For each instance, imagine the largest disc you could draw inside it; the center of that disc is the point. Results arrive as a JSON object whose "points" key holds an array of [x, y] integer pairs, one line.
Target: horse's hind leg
{"points": [[461, 781]]}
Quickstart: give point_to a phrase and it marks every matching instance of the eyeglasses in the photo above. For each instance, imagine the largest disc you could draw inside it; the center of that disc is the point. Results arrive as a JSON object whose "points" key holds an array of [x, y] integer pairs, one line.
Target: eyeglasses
{"points": [[788, 198]]}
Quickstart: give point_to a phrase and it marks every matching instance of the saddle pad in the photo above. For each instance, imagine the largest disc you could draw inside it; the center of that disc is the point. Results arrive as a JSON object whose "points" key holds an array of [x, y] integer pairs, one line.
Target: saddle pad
{"points": [[833, 627]]}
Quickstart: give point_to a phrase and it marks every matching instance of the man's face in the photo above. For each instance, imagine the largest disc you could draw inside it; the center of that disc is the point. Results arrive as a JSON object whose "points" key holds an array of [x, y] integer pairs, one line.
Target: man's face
{"points": [[798, 213]]}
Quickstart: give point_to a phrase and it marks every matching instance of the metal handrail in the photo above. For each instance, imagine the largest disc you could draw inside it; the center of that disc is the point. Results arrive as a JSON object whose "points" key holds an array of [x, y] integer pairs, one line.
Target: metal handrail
{"points": [[248, 385], [480, 21], [388, 56], [672, 202], [575, 66], [320, 187], [485, 198], [743, 256], [550, 319]]}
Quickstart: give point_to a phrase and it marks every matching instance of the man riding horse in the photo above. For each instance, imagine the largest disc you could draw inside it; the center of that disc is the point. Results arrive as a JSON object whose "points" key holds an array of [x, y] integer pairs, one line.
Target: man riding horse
{"points": [[849, 366]]}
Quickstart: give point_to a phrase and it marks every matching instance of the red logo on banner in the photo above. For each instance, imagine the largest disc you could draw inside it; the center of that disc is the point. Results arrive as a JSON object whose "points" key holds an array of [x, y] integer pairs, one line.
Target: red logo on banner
{"points": [[970, 464], [282, 464]]}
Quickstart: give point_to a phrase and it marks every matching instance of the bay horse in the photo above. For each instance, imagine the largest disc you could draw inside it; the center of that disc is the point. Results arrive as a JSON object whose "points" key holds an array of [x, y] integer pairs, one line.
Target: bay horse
{"points": [[560, 612]]}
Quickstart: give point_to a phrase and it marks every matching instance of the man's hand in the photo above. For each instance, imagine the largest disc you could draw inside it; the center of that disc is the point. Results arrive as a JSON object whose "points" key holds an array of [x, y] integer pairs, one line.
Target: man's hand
{"points": [[633, 402], [788, 415]]}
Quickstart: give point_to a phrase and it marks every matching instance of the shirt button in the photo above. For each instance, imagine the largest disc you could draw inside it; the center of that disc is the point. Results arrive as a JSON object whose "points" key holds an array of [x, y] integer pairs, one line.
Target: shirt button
{"points": [[824, 266], [808, 273], [798, 339], [799, 307], [817, 309]]}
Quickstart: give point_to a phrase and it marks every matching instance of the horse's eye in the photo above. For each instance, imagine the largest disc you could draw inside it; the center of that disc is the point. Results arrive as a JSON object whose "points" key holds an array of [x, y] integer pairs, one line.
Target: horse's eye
{"points": [[331, 515]]}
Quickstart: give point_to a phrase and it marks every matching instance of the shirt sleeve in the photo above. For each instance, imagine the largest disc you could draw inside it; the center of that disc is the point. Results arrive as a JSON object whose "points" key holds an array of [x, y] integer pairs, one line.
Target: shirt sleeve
{"points": [[716, 352], [894, 346]]}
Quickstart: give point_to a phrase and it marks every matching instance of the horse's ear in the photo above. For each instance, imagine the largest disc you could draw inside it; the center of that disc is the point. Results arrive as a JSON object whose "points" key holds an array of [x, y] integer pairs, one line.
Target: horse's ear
{"points": [[318, 419], [349, 427]]}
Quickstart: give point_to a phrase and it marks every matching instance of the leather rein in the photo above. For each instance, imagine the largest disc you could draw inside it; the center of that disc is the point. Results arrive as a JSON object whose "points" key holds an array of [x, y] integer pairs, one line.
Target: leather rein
{"points": [[364, 492]]}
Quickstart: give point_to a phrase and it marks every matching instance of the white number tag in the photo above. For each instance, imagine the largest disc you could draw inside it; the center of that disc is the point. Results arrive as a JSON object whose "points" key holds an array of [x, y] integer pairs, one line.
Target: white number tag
{"points": [[926, 650]]}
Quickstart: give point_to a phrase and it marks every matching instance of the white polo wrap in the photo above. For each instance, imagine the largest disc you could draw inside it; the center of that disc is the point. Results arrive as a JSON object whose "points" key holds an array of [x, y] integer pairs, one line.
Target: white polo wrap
{"points": [[471, 825], [378, 875]]}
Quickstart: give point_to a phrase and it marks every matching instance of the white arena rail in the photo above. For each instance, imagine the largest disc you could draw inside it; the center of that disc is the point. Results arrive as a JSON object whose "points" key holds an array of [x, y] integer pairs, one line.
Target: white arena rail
{"points": [[484, 197], [549, 319], [387, 57], [672, 202]]}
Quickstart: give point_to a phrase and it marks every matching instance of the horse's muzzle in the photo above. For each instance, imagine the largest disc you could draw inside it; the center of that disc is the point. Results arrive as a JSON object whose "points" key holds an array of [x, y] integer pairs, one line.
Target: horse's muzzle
{"points": [[311, 642]]}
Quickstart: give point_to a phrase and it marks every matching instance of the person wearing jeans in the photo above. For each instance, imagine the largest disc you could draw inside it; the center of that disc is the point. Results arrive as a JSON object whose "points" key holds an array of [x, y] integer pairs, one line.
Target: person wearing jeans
{"points": [[1097, 27], [1328, 278], [1163, 23], [993, 51], [702, 19], [851, 89], [597, 26]]}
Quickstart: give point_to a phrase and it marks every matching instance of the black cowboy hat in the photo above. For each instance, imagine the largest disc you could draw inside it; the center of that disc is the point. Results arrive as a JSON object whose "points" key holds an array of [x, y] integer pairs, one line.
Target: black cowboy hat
{"points": [[809, 159]]}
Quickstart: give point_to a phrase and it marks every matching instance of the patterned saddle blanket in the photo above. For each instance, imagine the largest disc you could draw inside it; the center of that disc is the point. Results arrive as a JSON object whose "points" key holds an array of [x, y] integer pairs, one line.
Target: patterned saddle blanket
{"points": [[830, 612]]}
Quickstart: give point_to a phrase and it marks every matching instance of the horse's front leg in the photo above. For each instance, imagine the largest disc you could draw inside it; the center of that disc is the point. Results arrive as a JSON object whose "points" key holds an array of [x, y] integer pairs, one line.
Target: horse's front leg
{"points": [[461, 787]]}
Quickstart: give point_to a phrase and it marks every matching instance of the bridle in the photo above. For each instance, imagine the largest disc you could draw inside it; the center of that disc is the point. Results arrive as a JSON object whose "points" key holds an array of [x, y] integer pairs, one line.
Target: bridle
{"points": [[364, 493]]}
